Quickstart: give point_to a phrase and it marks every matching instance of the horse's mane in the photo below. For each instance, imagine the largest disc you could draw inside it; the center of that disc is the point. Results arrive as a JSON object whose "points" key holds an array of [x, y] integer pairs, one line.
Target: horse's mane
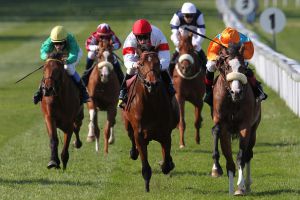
{"points": [[55, 55]]}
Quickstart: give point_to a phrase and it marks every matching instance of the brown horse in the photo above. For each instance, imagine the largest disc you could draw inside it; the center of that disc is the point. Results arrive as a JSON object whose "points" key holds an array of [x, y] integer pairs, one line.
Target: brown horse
{"points": [[235, 111], [61, 108], [188, 79], [103, 89], [150, 115]]}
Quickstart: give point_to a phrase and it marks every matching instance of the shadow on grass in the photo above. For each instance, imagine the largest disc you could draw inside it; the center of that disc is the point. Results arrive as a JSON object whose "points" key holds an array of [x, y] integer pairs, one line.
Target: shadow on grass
{"points": [[277, 144], [275, 192], [43, 181]]}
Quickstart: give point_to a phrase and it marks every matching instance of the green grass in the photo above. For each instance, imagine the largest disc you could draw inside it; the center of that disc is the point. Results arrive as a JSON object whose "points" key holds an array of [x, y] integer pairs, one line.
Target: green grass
{"points": [[24, 144]]}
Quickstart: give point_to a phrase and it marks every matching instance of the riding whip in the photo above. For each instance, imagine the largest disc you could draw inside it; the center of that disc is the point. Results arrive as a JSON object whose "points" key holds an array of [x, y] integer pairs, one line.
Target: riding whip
{"points": [[119, 58], [29, 74], [203, 36]]}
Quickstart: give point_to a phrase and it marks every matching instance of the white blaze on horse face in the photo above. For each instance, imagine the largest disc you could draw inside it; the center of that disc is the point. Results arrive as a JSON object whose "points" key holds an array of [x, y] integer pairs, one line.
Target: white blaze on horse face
{"points": [[105, 55], [105, 71], [235, 65]]}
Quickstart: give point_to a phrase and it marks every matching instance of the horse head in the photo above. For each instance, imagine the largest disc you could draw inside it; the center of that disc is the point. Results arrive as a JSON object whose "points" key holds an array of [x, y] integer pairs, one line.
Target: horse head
{"points": [[149, 70], [186, 62], [232, 67], [52, 74], [105, 60]]}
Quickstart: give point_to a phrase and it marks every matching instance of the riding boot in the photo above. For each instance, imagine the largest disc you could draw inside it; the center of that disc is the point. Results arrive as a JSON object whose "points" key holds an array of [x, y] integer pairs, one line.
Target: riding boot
{"points": [[168, 82], [37, 97], [119, 72], [173, 62], [209, 77], [203, 59], [84, 96], [123, 92], [256, 86], [88, 69]]}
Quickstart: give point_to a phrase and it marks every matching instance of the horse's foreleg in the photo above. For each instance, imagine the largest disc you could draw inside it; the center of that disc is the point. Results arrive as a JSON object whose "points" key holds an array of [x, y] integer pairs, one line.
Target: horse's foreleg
{"points": [[94, 131], [181, 124], [198, 121], [146, 169], [244, 156], [168, 164], [52, 133], [216, 169], [77, 124], [111, 117], [133, 151], [65, 151], [225, 139]]}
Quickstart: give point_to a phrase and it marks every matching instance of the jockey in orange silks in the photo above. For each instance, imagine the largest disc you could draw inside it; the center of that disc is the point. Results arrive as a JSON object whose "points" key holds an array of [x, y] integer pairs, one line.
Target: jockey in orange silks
{"points": [[230, 35]]}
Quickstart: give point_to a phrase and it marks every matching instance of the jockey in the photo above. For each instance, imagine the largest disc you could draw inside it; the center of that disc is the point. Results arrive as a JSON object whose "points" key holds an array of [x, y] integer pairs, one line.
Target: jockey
{"points": [[147, 36], [62, 41], [230, 35], [188, 16], [103, 32]]}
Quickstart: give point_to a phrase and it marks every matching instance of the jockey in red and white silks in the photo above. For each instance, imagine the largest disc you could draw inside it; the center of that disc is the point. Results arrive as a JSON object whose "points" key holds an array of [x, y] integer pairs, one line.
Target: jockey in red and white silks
{"points": [[145, 35], [103, 32], [157, 39]]}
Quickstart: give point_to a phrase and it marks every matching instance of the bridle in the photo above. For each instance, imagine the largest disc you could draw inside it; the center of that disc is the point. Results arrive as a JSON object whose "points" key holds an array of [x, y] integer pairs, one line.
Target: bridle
{"points": [[142, 76], [53, 89]]}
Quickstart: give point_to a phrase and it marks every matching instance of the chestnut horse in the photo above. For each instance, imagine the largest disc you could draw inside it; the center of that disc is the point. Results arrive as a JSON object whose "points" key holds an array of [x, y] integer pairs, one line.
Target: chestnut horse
{"points": [[104, 90], [188, 79], [61, 108], [235, 111], [150, 114]]}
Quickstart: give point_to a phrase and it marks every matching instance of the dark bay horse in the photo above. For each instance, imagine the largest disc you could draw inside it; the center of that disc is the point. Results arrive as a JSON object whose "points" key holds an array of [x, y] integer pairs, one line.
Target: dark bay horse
{"points": [[61, 108], [104, 90], [188, 79], [235, 112], [150, 115]]}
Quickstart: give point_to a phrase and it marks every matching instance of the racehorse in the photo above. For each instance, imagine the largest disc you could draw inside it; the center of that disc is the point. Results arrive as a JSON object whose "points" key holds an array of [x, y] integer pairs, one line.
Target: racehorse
{"points": [[150, 114], [188, 79], [103, 88], [61, 108], [235, 112]]}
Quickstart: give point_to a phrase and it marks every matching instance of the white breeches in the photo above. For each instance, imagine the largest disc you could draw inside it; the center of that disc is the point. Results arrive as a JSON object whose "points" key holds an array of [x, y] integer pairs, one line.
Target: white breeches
{"points": [[71, 68]]}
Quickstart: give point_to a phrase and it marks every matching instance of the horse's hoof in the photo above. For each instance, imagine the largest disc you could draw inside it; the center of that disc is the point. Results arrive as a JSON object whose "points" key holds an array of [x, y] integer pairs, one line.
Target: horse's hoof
{"points": [[90, 138], [181, 146], [215, 173], [52, 164], [77, 144], [166, 168], [134, 154], [111, 140], [240, 192]]}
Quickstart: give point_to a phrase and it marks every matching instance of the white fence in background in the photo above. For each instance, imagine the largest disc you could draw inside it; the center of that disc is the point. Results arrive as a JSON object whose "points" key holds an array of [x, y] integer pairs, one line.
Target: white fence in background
{"points": [[279, 72]]}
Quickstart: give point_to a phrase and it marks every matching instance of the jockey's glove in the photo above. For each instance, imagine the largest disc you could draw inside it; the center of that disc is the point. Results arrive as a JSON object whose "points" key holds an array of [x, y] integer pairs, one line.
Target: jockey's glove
{"points": [[93, 47], [211, 65]]}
